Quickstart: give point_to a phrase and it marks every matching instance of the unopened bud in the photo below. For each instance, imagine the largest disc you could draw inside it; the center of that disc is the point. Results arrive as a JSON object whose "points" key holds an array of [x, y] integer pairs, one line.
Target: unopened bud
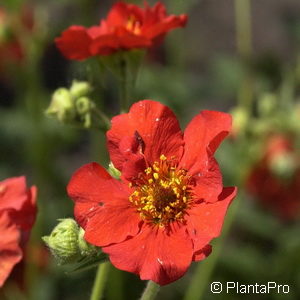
{"points": [[283, 165], [80, 89], [240, 120], [62, 106], [63, 241], [113, 171], [85, 248], [84, 105], [267, 104]]}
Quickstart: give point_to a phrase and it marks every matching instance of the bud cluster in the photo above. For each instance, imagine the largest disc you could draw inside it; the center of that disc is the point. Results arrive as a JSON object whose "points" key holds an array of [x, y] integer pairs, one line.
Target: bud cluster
{"points": [[72, 106]]}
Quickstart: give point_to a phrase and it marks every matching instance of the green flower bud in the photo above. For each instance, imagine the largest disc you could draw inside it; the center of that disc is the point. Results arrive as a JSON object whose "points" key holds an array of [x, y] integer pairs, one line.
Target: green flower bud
{"points": [[113, 171], [267, 104], [80, 89], [240, 120], [283, 165], [85, 248], [84, 105], [62, 106], [63, 241]]}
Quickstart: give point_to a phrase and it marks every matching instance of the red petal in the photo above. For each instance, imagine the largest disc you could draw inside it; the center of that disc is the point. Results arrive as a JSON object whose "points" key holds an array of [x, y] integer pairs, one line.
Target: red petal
{"points": [[205, 220], [208, 182], [91, 187], [25, 217], [102, 206], [121, 12], [112, 224], [110, 43], [74, 43], [10, 252], [161, 28], [202, 137], [13, 193], [154, 254], [202, 253], [153, 124]]}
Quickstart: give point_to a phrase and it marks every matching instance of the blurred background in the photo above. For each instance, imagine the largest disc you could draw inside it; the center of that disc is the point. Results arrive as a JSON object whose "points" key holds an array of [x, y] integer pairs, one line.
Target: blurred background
{"points": [[241, 57]]}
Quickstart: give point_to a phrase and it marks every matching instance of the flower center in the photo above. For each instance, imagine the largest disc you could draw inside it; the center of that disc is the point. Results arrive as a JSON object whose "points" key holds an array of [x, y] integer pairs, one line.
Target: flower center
{"points": [[133, 25], [163, 193]]}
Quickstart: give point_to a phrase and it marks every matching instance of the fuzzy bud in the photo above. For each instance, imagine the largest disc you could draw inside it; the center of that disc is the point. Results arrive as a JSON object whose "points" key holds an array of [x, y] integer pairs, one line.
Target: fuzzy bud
{"points": [[80, 89], [63, 241], [62, 106], [85, 248], [267, 104], [84, 105], [283, 165]]}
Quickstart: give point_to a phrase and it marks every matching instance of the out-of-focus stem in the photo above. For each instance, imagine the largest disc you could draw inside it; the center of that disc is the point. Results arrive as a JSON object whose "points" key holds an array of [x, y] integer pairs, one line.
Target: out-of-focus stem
{"points": [[124, 85], [244, 49], [99, 283], [150, 291]]}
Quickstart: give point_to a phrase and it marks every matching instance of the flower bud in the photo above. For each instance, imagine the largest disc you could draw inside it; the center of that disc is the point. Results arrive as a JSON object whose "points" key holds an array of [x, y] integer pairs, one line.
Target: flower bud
{"points": [[113, 171], [62, 106], [84, 105], [267, 104], [85, 248], [283, 165], [80, 89], [63, 241], [240, 120]]}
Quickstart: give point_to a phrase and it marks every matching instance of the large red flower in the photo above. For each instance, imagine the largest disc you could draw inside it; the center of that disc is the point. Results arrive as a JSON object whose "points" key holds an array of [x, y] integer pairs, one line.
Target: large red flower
{"points": [[170, 202], [275, 192], [127, 26], [17, 215]]}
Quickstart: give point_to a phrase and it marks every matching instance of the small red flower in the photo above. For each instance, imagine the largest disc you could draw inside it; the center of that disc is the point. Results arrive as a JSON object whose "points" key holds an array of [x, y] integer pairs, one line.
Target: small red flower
{"points": [[170, 202], [281, 195], [127, 26], [17, 215]]}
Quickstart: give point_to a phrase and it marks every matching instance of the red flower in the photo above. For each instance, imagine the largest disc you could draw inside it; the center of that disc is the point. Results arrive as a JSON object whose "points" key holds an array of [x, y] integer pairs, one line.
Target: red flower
{"points": [[127, 26], [170, 202], [17, 215], [279, 194]]}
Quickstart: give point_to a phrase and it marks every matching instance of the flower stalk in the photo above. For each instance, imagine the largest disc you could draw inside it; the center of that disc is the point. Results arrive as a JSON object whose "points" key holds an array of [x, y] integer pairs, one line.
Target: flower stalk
{"points": [[150, 291], [100, 280]]}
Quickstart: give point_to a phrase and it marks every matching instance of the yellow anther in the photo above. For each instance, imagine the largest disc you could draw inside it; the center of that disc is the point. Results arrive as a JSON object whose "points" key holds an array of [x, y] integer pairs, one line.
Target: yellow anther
{"points": [[148, 170], [162, 157], [155, 175], [162, 196]]}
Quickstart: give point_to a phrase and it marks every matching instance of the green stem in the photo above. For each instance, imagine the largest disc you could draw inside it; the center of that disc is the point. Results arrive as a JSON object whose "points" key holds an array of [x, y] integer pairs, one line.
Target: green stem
{"points": [[100, 280], [244, 48], [203, 272], [124, 85], [103, 118], [150, 291]]}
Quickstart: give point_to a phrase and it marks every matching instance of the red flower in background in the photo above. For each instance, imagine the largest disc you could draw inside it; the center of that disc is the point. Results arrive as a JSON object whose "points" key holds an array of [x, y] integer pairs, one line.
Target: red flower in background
{"points": [[279, 194], [170, 202], [17, 216], [127, 26], [11, 48]]}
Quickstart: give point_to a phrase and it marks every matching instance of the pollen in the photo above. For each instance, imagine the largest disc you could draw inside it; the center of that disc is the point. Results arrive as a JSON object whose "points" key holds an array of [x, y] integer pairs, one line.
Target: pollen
{"points": [[133, 25], [163, 192]]}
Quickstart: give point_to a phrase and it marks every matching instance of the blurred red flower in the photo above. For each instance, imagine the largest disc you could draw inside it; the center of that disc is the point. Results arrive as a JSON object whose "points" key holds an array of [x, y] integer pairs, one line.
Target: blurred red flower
{"points": [[17, 216], [275, 179], [11, 29], [170, 202], [127, 26]]}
